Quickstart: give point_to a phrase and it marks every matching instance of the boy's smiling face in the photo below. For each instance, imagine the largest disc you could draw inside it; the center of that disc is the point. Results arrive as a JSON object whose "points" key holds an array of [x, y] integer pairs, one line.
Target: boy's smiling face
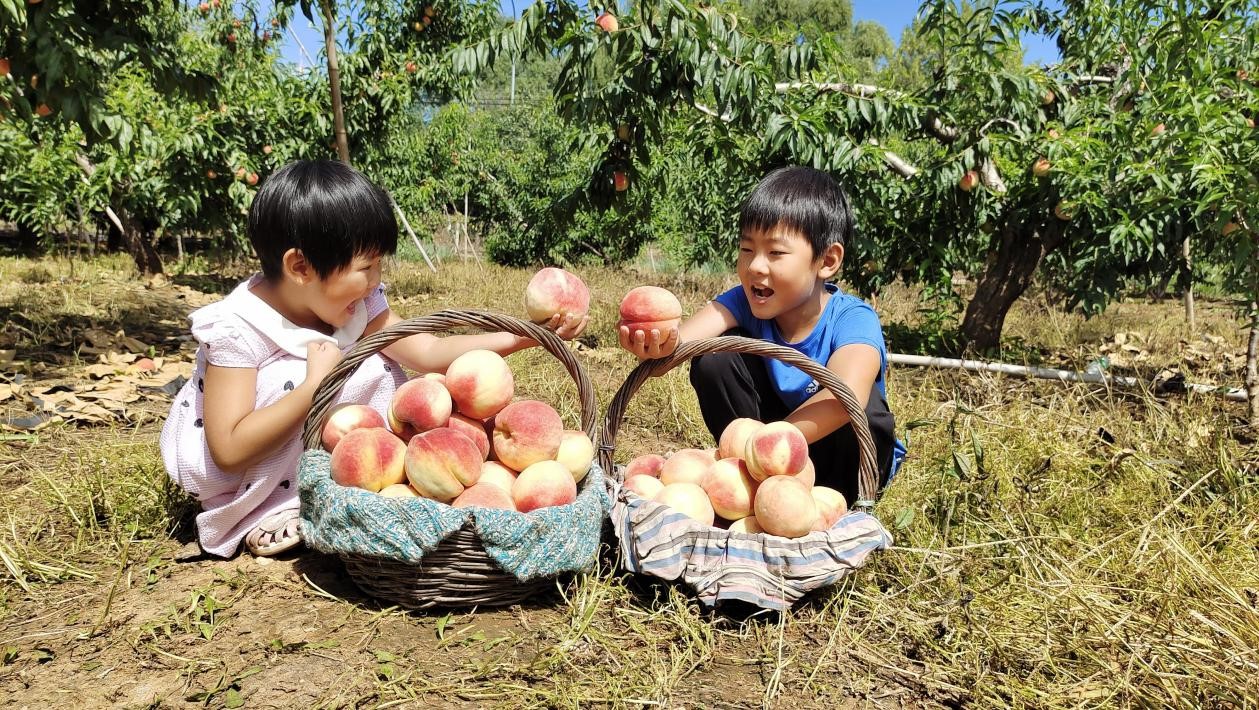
{"points": [[783, 278]]}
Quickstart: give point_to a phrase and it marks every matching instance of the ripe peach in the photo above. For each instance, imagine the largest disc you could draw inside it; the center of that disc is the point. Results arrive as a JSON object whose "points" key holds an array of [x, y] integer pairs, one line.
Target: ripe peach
{"points": [[734, 438], [607, 22], [776, 449], [484, 495], [808, 476], [784, 507], [423, 404], [647, 464], [480, 382], [527, 432], [554, 291], [544, 484], [831, 505], [747, 525], [441, 463], [399, 490], [649, 304], [644, 485], [346, 418], [688, 499], [1041, 167], [576, 452], [686, 465], [495, 473], [664, 326], [969, 180], [730, 488], [435, 377], [474, 429], [369, 459]]}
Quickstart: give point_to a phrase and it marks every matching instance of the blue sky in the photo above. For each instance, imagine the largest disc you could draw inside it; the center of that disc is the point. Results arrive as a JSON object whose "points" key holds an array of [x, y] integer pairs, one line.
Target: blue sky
{"points": [[895, 15]]}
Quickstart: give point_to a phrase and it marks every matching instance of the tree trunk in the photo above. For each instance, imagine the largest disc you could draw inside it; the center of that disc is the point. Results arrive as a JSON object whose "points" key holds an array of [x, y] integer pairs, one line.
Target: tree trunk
{"points": [[1186, 279], [139, 245], [1007, 274], [1252, 367], [334, 81]]}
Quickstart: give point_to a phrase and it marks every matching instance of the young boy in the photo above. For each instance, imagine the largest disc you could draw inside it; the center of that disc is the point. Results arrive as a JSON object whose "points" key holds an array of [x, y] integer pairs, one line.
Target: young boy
{"points": [[792, 232]]}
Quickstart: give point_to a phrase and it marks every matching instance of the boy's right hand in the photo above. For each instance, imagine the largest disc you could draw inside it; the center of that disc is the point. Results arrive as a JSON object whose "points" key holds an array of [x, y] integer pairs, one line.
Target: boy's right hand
{"points": [[648, 345], [321, 357]]}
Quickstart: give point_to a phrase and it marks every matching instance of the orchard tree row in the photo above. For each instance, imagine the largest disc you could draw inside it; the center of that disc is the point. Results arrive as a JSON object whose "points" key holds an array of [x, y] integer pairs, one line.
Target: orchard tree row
{"points": [[1132, 158]]}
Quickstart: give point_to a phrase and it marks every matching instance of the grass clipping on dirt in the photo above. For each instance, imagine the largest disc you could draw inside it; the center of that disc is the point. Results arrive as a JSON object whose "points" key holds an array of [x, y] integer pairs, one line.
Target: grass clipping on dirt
{"points": [[1056, 546]]}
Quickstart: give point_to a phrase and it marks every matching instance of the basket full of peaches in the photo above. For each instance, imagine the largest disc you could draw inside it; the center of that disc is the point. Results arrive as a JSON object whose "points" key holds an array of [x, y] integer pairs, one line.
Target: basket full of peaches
{"points": [[743, 521], [462, 493]]}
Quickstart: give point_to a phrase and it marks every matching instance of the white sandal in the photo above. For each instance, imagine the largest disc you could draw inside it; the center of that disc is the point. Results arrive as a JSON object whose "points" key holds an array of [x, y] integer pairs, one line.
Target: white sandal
{"points": [[275, 533]]}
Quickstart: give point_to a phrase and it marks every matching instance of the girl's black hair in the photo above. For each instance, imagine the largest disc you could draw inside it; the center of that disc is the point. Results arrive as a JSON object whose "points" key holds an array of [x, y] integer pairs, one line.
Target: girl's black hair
{"points": [[325, 208], [803, 199]]}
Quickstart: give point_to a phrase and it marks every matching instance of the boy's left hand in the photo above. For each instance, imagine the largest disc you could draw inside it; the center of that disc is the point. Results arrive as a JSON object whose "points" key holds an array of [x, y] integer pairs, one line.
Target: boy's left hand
{"points": [[567, 325]]}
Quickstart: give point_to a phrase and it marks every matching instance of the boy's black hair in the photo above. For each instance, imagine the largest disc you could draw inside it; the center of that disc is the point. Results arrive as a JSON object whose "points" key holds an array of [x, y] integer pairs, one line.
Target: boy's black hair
{"points": [[325, 208], [800, 198]]}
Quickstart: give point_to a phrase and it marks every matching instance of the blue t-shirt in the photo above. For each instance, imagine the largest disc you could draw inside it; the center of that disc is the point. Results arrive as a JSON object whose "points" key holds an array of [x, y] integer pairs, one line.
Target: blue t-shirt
{"points": [[845, 320]]}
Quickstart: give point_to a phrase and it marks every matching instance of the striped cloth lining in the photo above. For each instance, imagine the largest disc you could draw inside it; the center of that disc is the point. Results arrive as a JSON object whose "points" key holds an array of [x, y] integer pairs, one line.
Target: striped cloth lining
{"points": [[766, 570]]}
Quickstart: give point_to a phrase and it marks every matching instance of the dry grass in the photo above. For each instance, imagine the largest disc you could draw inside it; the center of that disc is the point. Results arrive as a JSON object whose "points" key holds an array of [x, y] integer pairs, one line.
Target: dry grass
{"points": [[1056, 546]]}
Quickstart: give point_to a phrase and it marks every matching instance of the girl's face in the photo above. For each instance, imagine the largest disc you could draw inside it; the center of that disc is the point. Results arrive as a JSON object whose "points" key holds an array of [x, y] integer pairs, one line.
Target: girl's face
{"points": [[333, 299]]}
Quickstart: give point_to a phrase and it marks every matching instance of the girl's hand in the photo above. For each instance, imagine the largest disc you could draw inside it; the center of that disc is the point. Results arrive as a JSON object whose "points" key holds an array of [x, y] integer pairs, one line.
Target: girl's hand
{"points": [[321, 357], [648, 345], [567, 325]]}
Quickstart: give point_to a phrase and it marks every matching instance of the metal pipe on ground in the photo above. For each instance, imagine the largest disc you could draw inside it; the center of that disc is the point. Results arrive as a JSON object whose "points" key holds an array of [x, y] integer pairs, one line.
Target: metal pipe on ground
{"points": [[1235, 394]]}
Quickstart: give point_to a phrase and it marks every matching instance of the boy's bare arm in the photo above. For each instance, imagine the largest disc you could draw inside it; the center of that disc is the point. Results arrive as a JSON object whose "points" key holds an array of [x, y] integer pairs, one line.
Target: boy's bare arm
{"points": [[425, 352], [858, 366], [708, 322]]}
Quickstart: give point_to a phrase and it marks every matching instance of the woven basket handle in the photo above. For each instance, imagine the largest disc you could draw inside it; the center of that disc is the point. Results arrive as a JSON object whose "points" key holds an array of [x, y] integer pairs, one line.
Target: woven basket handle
{"points": [[867, 478], [441, 322]]}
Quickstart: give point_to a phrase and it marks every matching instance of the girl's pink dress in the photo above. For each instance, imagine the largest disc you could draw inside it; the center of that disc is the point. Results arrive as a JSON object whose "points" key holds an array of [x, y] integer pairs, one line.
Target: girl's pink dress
{"points": [[243, 331]]}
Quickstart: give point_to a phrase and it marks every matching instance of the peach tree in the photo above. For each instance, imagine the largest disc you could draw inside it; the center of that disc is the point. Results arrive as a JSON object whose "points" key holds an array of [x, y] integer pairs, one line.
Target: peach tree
{"points": [[1086, 173]]}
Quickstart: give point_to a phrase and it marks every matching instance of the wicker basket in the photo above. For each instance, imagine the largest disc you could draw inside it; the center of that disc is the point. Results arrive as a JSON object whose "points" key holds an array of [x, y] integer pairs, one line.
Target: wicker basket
{"points": [[687, 551], [458, 572]]}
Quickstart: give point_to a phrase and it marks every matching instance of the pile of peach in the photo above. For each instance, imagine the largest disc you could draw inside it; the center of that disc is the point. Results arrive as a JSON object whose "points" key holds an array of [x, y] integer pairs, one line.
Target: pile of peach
{"points": [[458, 438], [758, 479]]}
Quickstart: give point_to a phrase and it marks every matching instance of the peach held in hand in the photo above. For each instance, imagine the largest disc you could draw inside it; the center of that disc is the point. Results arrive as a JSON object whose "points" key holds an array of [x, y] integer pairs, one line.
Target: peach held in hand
{"points": [[441, 463], [554, 291], [688, 499], [421, 405], [346, 418], [650, 307], [527, 432], [776, 449], [784, 507], [544, 484], [480, 382], [369, 459]]}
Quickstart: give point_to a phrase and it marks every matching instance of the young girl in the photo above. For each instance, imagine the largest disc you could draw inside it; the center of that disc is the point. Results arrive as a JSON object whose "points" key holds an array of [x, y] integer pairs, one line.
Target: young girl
{"points": [[232, 440]]}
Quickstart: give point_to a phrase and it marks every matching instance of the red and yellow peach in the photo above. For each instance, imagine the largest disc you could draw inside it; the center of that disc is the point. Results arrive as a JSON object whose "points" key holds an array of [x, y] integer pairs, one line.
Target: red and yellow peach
{"points": [[543, 484], [527, 432], [441, 463], [369, 459]]}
